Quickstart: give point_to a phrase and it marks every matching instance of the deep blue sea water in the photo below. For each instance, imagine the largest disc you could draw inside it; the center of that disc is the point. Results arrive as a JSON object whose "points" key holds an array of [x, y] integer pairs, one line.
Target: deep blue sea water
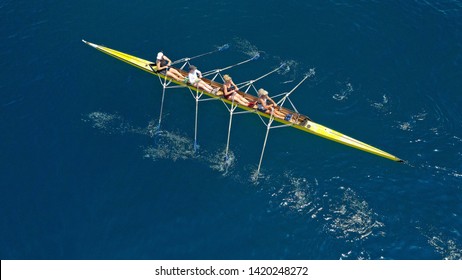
{"points": [[83, 176]]}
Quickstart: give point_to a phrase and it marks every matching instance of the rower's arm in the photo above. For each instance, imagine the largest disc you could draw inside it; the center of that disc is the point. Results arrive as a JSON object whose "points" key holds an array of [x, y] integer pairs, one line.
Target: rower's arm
{"points": [[272, 101], [159, 67], [263, 103], [168, 59], [235, 87]]}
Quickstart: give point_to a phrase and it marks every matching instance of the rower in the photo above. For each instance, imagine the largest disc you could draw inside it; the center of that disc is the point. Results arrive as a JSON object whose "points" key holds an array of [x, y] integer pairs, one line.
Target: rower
{"points": [[163, 67], [267, 105], [195, 79], [231, 92]]}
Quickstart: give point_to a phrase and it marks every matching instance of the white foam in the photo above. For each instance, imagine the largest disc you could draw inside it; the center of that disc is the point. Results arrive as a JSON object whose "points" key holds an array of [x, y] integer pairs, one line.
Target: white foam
{"points": [[344, 92]]}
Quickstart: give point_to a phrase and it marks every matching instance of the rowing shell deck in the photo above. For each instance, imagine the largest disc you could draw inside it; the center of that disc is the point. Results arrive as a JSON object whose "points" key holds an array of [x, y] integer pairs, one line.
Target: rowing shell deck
{"points": [[300, 122]]}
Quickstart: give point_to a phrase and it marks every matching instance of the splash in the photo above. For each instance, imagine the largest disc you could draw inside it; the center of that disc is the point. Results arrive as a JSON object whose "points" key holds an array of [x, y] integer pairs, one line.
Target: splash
{"points": [[112, 123], [258, 177], [344, 93], [108, 123], [221, 162], [153, 129], [346, 218], [295, 194], [381, 106], [410, 124], [448, 248], [246, 47], [300, 196], [441, 170], [353, 219], [311, 73], [168, 145], [172, 146], [445, 246], [406, 126], [290, 70]]}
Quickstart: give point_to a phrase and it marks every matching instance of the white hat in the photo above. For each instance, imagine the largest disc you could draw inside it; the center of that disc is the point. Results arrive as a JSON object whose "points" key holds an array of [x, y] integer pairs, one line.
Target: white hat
{"points": [[160, 55], [262, 92]]}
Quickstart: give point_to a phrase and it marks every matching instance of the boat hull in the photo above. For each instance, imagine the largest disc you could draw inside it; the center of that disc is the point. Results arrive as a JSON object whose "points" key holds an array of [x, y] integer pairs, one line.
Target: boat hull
{"points": [[303, 122]]}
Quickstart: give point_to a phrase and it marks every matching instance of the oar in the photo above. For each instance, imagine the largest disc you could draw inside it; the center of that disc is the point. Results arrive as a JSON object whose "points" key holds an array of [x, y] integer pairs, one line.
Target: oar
{"points": [[219, 49], [244, 84], [208, 73], [280, 103]]}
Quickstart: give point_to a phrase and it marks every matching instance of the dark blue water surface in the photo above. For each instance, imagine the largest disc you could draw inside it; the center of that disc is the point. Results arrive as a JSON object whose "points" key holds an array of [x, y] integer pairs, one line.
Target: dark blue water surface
{"points": [[83, 175]]}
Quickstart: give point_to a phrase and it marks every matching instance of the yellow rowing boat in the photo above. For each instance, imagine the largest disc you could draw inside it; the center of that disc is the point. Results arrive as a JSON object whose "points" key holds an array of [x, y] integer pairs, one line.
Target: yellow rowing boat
{"points": [[298, 121]]}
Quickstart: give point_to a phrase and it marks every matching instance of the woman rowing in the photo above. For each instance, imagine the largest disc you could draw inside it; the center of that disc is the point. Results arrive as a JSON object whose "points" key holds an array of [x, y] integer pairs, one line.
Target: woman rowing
{"points": [[195, 79], [267, 105], [163, 66], [230, 91]]}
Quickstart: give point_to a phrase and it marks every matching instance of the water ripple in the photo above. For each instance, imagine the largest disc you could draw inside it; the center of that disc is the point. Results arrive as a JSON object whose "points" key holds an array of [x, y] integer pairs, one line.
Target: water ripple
{"points": [[352, 219], [447, 247]]}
